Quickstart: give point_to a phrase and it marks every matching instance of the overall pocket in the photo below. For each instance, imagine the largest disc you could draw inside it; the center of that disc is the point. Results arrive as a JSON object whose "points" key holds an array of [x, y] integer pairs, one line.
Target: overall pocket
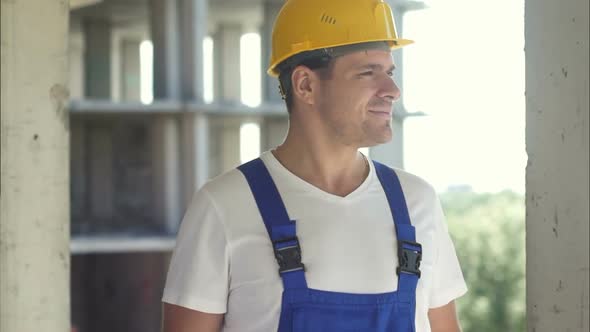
{"points": [[351, 319], [333, 320]]}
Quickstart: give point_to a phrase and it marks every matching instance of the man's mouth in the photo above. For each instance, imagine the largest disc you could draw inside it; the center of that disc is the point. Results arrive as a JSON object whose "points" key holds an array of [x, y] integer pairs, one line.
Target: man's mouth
{"points": [[382, 114]]}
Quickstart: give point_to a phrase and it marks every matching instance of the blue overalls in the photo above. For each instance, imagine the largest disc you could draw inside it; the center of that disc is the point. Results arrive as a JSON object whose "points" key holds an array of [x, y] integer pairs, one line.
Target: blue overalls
{"points": [[311, 310]]}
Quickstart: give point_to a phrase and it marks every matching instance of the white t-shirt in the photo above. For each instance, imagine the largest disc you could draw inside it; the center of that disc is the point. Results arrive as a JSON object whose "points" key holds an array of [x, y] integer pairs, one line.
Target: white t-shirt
{"points": [[224, 261]]}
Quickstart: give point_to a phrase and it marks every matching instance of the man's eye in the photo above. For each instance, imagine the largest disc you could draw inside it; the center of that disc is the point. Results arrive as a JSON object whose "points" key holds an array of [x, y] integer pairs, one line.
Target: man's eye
{"points": [[390, 73], [367, 73]]}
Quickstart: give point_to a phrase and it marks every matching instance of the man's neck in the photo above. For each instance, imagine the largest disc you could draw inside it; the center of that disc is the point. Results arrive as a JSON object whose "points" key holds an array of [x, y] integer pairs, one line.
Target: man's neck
{"points": [[335, 169]]}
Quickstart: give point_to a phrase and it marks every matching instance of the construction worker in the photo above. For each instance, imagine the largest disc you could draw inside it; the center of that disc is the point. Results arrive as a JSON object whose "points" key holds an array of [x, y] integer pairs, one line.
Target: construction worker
{"points": [[313, 236]]}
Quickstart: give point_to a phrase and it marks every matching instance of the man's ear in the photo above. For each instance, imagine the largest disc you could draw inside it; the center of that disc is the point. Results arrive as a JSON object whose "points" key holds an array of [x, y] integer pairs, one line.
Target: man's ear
{"points": [[304, 81]]}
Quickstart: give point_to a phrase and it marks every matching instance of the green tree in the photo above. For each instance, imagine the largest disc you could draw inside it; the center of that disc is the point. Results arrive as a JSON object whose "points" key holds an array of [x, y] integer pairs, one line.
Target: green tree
{"points": [[488, 233]]}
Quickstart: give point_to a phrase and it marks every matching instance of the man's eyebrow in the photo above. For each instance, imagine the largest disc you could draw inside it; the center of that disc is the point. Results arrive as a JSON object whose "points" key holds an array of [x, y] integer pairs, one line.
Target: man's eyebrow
{"points": [[374, 66]]}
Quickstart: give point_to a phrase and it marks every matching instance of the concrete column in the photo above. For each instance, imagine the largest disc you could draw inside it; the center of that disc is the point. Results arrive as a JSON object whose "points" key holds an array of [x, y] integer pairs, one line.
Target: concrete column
{"points": [[227, 64], [100, 169], [171, 161], [166, 129], [97, 60], [557, 194], [130, 70], [195, 147], [270, 85], [193, 18], [225, 145], [201, 150], [76, 59], [392, 153], [228, 88], [34, 195], [165, 30], [166, 166], [273, 132], [195, 133], [230, 144]]}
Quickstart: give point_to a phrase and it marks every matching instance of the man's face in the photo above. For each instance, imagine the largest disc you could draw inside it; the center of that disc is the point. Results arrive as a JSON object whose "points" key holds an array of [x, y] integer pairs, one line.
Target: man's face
{"points": [[356, 100]]}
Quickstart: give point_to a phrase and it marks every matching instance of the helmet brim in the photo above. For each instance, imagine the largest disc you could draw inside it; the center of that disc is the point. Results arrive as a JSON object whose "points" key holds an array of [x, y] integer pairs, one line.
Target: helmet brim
{"points": [[393, 44]]}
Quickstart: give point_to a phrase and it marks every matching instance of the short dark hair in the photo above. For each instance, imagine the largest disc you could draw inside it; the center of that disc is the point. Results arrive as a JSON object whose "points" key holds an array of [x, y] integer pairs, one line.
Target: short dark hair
{"points": [[314, 60]]}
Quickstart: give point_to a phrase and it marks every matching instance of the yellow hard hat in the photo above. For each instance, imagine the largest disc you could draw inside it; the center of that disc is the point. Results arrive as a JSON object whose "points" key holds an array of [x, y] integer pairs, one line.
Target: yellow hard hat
{"points": [[306, 25]]}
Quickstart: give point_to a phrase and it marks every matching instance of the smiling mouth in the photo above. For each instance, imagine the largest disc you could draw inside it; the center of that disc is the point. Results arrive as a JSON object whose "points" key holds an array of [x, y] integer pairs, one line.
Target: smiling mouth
{"points": [[383, 114]]}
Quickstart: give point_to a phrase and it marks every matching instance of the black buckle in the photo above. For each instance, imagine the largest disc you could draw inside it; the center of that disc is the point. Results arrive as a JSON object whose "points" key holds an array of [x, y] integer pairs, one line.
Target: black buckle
{"points": [[288, 257], [409, 259]]}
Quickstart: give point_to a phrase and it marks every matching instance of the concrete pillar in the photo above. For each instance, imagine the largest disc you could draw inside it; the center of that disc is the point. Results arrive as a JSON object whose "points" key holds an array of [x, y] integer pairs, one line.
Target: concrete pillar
{"points": [[76, 59], [100, 169], [228, 91], [195, 147], [270, 85], [227, 64], [97, 60], [166, 129], [230, 144], [201, 152], [130, 70], [557, 194], [392, 153], [164, 18], [166, 166], [195, 133], [224, 145], [193, 18], [34, 195], [273, 132]]}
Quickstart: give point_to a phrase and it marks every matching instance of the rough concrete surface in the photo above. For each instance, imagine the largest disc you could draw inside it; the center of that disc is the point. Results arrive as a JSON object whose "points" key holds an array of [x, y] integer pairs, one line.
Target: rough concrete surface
{"points": [[34, 208], [556, 34]]}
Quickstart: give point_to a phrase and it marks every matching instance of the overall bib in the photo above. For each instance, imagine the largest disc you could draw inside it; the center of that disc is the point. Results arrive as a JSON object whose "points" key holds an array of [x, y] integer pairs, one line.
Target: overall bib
{"points": [[311, 310]]}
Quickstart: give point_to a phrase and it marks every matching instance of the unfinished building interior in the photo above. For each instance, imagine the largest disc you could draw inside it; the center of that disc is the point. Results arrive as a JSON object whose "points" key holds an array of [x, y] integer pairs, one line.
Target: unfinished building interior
{"points": [[137, 152], [136, 158]]}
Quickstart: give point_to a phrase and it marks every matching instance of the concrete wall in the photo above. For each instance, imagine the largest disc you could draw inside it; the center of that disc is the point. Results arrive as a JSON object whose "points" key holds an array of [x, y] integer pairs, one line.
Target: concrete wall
{"points": [[556, 34], [34, 202]]}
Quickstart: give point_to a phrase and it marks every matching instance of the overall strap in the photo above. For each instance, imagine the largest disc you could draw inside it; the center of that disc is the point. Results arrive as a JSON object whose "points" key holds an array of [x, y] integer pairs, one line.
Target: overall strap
{"points": [[409, 252], [281, 230]]}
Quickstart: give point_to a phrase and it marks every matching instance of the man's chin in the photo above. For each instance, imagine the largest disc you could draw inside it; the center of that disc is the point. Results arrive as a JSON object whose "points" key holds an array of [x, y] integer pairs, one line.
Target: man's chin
{"points": [[379, 140], [384, 137]]}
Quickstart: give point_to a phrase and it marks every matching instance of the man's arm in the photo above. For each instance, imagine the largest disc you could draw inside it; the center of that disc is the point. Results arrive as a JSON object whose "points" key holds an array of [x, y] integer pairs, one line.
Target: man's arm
{"points": [[180, 319], [444, 319]]}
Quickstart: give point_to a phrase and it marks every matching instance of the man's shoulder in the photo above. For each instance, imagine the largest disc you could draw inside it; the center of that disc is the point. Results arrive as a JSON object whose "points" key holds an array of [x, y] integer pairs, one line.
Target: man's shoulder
{"points": [[422, 202], [414, 185], [225, 185]]}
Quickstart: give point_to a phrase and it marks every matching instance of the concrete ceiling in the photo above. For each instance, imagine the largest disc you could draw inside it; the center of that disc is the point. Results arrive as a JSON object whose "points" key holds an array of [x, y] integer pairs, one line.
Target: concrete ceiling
{"points": [[127, 12], [115, 11], [130, 12], [75, 4]]}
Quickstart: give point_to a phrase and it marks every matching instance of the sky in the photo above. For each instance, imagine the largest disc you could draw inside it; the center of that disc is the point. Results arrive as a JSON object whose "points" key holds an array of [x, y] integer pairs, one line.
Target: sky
{"points": [[466, 72]]}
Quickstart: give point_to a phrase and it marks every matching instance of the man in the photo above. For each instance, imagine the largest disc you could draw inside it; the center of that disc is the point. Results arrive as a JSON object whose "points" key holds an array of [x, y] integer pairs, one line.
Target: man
{"points": [[313, 236]]}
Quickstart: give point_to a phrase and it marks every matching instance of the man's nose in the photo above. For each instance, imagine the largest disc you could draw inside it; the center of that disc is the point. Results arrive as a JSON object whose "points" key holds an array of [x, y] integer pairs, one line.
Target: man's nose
{"points": [[389, 90]]}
